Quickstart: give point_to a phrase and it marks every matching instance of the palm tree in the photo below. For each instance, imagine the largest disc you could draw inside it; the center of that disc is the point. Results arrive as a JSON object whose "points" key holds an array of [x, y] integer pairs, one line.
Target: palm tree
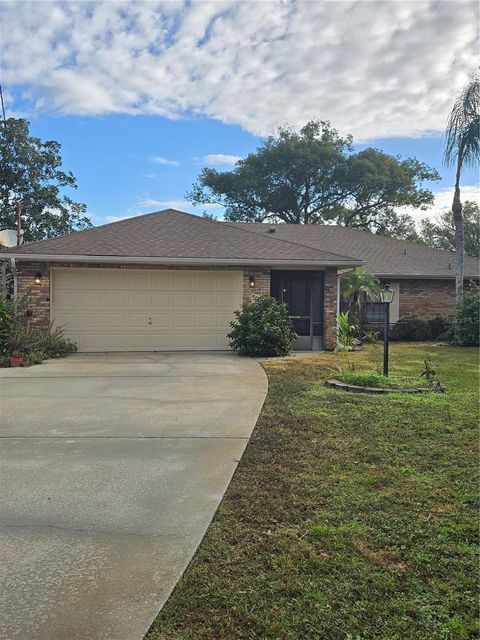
{"points": [[462, 148], [357, 285]]}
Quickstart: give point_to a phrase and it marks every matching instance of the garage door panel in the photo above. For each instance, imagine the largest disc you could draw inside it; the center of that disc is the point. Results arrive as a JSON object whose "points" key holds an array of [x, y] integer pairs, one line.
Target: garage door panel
{"points": [[205, 320], [71, 321], [137, 279], [89, 321], [204, 341], [162, 320], [204, 281], [162, 300], [226, 280], [162, 341], [116, 299], [115, 320], [139, 341], [139, 300], [225, 301], [183, 320], [204, 300], [183, 340], [134, 309], [137, 320], [183, 300], [115, 279], [161, 280], [93, 298], [183, 280], [67, 298]]}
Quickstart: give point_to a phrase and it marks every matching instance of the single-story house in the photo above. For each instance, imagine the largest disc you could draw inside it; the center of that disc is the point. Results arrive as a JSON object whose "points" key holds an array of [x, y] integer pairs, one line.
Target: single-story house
{"points": [[171, 280]]}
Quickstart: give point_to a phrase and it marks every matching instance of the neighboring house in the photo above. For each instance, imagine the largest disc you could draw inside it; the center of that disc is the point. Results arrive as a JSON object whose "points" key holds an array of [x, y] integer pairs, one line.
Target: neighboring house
{"points": [[171, 280]]}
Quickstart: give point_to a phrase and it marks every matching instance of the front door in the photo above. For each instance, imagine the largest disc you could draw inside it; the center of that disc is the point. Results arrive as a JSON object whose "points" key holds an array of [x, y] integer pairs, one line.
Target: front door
{"points": [[302, 291]]}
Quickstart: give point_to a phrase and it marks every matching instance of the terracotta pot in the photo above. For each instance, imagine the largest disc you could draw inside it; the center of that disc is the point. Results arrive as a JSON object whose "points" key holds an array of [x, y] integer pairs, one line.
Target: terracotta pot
{"points": [[15, 361]]}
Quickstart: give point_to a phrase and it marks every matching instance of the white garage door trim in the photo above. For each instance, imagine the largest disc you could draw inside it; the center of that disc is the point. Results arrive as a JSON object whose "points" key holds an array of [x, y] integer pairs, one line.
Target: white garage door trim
{"points": [[145, 309]]}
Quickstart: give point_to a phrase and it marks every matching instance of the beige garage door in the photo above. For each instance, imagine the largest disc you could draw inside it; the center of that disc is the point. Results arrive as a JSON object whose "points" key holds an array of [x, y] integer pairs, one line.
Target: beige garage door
{"points": [[145, 310]]}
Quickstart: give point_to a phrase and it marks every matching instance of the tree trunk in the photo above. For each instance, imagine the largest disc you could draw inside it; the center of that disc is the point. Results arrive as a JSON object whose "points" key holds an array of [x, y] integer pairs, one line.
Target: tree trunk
{"points": [[459, 238]]}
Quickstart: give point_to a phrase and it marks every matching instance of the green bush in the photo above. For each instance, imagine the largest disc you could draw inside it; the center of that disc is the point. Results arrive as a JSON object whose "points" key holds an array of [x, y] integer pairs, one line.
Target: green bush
{"points": [[375, 379], [18, 338], [34, 357], [345, 331], [15, 335], [413, 329], [370, 337], [53, 344], [464, 324], [262, 328]]}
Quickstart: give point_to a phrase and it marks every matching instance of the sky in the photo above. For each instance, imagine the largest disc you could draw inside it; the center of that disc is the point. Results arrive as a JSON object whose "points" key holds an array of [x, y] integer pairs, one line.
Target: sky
{"points": [[142, 95]]}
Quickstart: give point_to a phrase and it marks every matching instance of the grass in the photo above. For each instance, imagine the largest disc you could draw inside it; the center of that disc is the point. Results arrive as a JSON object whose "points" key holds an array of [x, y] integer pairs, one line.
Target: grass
{"points": [[375, 379], [350, 516]]}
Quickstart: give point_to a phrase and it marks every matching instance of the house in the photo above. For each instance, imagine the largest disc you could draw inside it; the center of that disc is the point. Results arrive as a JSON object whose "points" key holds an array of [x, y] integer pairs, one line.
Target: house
{"points": [[171, 280]]}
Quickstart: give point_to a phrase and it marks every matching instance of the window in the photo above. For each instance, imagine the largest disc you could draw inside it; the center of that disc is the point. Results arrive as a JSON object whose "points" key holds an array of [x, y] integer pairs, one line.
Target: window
{"points": [[374, 312]]}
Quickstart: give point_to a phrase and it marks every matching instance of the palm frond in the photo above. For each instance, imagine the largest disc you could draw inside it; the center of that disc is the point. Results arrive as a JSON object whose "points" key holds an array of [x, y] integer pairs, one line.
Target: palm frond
{"points": [[462, 137]]}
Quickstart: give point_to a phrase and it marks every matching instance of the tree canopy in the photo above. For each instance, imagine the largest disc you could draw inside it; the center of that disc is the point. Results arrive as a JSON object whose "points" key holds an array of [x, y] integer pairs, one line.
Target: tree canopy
{"points": [[440, 234], [313, 176], [31, 171]]}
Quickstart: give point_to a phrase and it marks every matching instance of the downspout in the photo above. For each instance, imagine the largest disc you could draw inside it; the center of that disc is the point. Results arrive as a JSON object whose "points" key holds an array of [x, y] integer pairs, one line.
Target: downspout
{"points": [[339, 277]]}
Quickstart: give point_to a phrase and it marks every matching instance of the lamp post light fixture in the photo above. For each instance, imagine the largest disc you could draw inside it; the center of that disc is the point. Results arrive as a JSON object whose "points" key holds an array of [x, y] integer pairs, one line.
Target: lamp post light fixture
{"points": [[386, 297]]}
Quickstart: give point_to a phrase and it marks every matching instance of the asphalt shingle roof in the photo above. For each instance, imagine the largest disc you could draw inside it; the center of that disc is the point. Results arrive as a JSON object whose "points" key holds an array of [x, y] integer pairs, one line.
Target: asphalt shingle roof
{"points": [[173, 234], [382, 256]]}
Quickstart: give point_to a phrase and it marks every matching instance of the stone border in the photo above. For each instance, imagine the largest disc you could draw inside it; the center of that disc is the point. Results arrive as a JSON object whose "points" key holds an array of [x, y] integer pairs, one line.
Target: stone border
{"points": [[355, 388]]}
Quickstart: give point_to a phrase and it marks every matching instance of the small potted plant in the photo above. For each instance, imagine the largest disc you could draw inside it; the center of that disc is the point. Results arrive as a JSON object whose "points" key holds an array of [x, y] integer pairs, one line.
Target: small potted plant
{"points": [[16, 360]]}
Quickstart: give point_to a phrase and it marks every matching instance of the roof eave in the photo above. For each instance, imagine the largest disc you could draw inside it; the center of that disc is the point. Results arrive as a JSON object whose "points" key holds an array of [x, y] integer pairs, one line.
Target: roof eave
{"points": [[34, 257], [422, 276]]}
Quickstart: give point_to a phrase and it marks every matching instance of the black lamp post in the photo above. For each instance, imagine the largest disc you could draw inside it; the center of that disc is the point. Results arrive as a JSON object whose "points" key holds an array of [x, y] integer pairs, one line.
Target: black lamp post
{"points": [[386, 297]]}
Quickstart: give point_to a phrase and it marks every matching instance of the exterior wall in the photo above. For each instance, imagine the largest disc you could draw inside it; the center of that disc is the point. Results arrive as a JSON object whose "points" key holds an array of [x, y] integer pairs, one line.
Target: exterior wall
{"points": [[424, 299], [330, 308], [262, 283], [39, 295]]}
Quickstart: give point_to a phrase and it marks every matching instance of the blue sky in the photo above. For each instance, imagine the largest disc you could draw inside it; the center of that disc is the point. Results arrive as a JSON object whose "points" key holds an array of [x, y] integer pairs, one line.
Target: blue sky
{"points": [[143, 95]]}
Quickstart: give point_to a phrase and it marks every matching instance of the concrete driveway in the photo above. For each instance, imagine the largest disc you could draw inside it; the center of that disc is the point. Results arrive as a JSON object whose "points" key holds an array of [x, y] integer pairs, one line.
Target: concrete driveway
{"points": [[112, 467]]}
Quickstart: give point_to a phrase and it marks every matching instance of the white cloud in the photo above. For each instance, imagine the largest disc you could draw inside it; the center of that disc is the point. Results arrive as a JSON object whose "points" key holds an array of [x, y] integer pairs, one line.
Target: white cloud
{"points": [[165, 161], [375, 69], [443, 202], [220, 159]]}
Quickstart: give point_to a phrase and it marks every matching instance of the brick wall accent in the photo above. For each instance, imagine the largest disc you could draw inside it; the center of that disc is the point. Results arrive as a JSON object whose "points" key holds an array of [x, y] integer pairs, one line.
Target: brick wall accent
{"points": [[39, 296], [426, 298], [330, 308], [262, 283]]}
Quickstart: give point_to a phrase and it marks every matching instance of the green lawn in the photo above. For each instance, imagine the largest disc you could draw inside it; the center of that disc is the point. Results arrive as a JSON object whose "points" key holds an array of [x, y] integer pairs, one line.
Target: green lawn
{"points": [[350, 516]]}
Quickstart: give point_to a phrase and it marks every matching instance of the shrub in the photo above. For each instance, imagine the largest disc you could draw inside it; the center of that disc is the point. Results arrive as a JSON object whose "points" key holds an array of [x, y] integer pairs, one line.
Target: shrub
{"points": [[262, 328], [15, 335], [34, 357], [413, 329], [464, 324], [52, 342], [17, 338], [366, 379], [370, 337], [344, 331]]}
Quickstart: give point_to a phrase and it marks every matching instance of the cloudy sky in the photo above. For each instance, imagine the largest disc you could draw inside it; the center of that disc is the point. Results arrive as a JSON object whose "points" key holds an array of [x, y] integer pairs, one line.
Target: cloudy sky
{"points": [[142, 95]]}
